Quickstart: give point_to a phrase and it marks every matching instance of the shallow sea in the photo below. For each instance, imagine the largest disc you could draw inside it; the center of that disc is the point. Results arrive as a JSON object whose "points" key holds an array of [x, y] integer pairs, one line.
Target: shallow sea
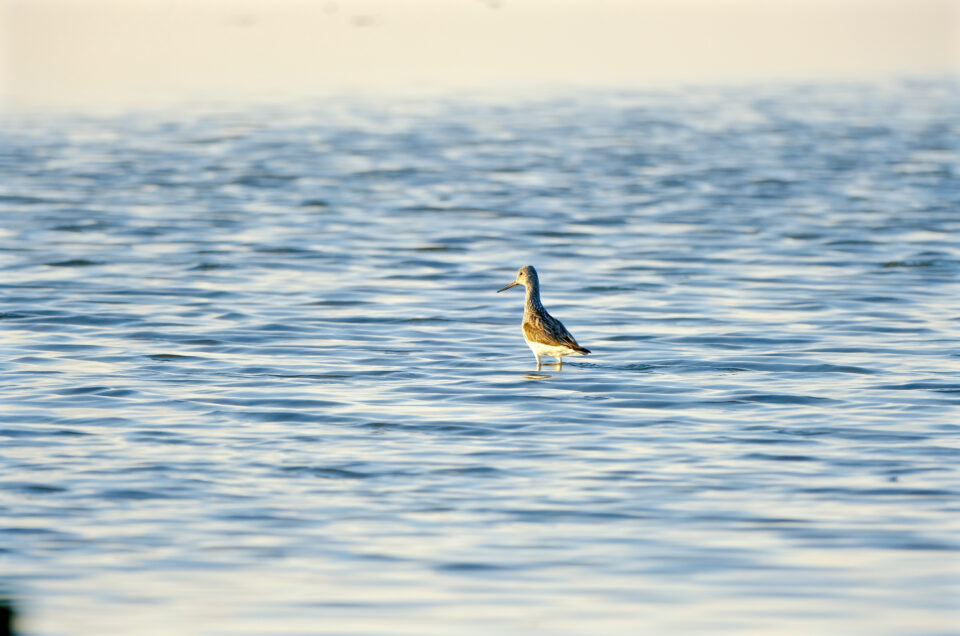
{"points": [[256, 380]]}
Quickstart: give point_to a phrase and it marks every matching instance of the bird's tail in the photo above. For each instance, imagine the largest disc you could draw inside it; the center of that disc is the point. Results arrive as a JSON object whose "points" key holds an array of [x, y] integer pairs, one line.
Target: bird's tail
{"points": [[582, 350]]}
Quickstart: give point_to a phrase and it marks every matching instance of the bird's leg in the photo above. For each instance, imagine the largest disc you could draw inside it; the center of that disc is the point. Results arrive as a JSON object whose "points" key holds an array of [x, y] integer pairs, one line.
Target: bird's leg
{"points": [[538, 361], [559, 363]]}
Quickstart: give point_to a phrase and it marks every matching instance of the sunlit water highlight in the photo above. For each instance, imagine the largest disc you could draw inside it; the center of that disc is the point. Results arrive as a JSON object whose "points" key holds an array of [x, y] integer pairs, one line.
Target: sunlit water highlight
{"points": [[256, 379]]}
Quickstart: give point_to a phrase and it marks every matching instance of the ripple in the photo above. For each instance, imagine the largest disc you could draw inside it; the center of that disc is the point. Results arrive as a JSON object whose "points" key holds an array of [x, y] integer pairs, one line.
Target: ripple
{"points": [[75, 262]]}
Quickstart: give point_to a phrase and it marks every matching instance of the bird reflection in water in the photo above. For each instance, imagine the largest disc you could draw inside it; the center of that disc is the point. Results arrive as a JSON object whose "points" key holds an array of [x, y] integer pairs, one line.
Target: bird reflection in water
{"points": [[537, 376]]}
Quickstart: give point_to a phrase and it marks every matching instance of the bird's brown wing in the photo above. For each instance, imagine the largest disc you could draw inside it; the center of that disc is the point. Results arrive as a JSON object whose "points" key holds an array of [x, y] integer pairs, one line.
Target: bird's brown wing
{"points": [[547, 330]]}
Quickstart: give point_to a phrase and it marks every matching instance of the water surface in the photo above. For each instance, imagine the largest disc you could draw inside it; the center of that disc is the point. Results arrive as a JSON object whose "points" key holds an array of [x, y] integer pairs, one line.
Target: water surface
{"points": [[256, 379]]}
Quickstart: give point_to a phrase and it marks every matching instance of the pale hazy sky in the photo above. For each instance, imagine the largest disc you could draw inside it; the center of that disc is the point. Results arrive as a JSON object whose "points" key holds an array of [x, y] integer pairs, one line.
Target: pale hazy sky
{"points": [[75, 53]]}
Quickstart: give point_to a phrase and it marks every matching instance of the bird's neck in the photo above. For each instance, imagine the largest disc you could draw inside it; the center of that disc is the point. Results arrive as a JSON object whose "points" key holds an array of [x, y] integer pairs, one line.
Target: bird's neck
{"points": [[533, 305]]}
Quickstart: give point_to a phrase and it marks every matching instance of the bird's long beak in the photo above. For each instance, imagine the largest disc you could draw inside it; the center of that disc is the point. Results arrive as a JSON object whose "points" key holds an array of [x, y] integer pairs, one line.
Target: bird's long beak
{"points": [[508, 286]]}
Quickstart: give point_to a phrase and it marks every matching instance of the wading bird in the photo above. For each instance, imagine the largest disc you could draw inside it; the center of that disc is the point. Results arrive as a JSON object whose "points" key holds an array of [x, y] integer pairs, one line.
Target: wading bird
{"points": [[545, 335]]}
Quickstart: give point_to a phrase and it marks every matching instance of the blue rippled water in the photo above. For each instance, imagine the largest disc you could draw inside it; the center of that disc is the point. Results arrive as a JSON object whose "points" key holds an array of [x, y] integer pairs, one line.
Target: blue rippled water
{"points": [[256, 379]]}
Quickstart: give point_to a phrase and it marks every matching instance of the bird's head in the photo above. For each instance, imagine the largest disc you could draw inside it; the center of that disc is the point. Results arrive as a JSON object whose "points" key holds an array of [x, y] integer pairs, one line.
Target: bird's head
{"points": [[526, 276]]}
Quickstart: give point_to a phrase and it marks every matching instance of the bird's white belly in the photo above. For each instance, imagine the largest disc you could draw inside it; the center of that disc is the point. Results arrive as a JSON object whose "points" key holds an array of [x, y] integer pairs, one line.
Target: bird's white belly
{"points": [[540, 349]]}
